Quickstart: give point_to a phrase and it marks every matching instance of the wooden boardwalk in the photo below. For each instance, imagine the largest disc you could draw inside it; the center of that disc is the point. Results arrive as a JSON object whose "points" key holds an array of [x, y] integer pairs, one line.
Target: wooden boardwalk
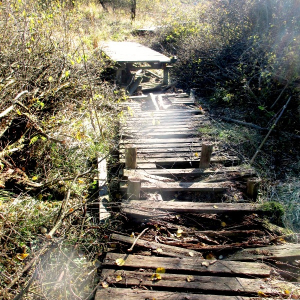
{"points": [[171, 187]]}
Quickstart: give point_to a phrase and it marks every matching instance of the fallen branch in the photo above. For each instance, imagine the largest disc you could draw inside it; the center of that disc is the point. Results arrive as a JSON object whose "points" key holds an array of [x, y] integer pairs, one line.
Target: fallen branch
{"points": [[272, 127], [242, 123], [139, 236]]}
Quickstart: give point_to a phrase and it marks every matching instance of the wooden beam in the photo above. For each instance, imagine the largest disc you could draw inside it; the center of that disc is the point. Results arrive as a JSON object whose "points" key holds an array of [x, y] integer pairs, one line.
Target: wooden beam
{"points": [[139, 293], [190, 265], [182, 186], [133, 188], [192, 172], [190, 207], [280, 252], [207, 149], [232, 285], [130, 158]]}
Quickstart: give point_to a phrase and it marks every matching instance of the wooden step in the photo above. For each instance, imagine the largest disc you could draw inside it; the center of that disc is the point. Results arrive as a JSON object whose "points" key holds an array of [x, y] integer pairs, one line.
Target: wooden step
{"points": [[204, 284], [158, 248], [188, 207], [243, 171], [181, 186], [280, 252], [190, 265], [142, 294]]}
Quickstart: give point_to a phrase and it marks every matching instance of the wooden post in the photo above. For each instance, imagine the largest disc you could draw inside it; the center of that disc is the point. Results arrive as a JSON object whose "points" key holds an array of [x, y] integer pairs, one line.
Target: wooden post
{"points": [[205, 155], [130, 158], [133, 189], [252, 187], [166, 75]]}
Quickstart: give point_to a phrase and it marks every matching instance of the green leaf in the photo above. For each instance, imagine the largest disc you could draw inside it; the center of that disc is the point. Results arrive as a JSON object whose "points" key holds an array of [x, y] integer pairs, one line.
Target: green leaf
{"points": [[34, 139]]}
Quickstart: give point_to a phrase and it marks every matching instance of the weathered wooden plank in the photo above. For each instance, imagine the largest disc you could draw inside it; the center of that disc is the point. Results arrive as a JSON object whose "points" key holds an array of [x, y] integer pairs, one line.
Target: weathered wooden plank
{"points": [[161, 249], [190, 207], [179, 126], [141, 294], [163, 148], [164, 154], [218, 267], [232, 285], [214, 159], [280, 252], [151, 131], [179, 186], [191, 172], [190, 140], [128, 52]]}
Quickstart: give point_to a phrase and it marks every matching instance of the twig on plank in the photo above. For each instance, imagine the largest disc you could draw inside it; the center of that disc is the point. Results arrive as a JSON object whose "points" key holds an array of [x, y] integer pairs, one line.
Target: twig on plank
{"points": [[139, 236]]}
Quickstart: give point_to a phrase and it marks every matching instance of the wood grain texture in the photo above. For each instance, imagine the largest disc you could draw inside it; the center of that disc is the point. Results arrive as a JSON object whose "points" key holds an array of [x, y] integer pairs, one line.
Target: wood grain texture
{"points": [[141, 294], [130, 52], [191, 207], [232, 285], [190, 265]]}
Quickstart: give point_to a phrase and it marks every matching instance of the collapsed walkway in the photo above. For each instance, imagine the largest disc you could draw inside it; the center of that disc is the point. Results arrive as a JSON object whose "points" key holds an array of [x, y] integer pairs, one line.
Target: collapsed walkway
{"points": [[186, 193]]}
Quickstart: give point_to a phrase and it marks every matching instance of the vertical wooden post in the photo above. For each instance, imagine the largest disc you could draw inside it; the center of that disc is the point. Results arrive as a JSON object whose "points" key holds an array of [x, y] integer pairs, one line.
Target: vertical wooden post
{"points": [[252, 187], [133, 189], [130, 158], [166, 75], [206, 152]]}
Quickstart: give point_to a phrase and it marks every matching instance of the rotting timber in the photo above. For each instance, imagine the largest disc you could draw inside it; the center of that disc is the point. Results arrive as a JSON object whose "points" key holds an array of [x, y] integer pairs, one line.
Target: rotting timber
{"points": [[200, 233]]}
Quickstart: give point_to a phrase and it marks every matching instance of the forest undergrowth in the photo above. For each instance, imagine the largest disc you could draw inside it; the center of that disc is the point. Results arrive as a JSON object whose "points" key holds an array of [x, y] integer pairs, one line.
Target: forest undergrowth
{"points": [[59, 114]]}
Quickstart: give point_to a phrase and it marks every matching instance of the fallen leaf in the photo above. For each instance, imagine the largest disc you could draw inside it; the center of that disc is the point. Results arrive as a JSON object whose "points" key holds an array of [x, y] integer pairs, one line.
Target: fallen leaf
{"points": [[190, 278], [34, 178], [160, 270], [191, 253], [179, 232], [223, 224], [120, 262], [118, 278], [215, 206], [155, 276], [21, 256], [261, 294], [159, 250], [210, 256], [196, 154], [104, 284]]}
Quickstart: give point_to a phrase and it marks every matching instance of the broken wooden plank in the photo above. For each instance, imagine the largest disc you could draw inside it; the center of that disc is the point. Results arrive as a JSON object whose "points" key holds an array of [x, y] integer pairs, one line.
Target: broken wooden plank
{"points": [[179, 186], [161, 249], [141, 294], [190, 265], [191, 172], [280, 252], [232, 285], [190, 207]]}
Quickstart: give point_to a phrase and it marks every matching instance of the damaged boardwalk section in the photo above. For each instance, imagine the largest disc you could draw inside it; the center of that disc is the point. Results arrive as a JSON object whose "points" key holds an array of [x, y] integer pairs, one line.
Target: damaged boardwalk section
{"points": [[201, 233]]}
